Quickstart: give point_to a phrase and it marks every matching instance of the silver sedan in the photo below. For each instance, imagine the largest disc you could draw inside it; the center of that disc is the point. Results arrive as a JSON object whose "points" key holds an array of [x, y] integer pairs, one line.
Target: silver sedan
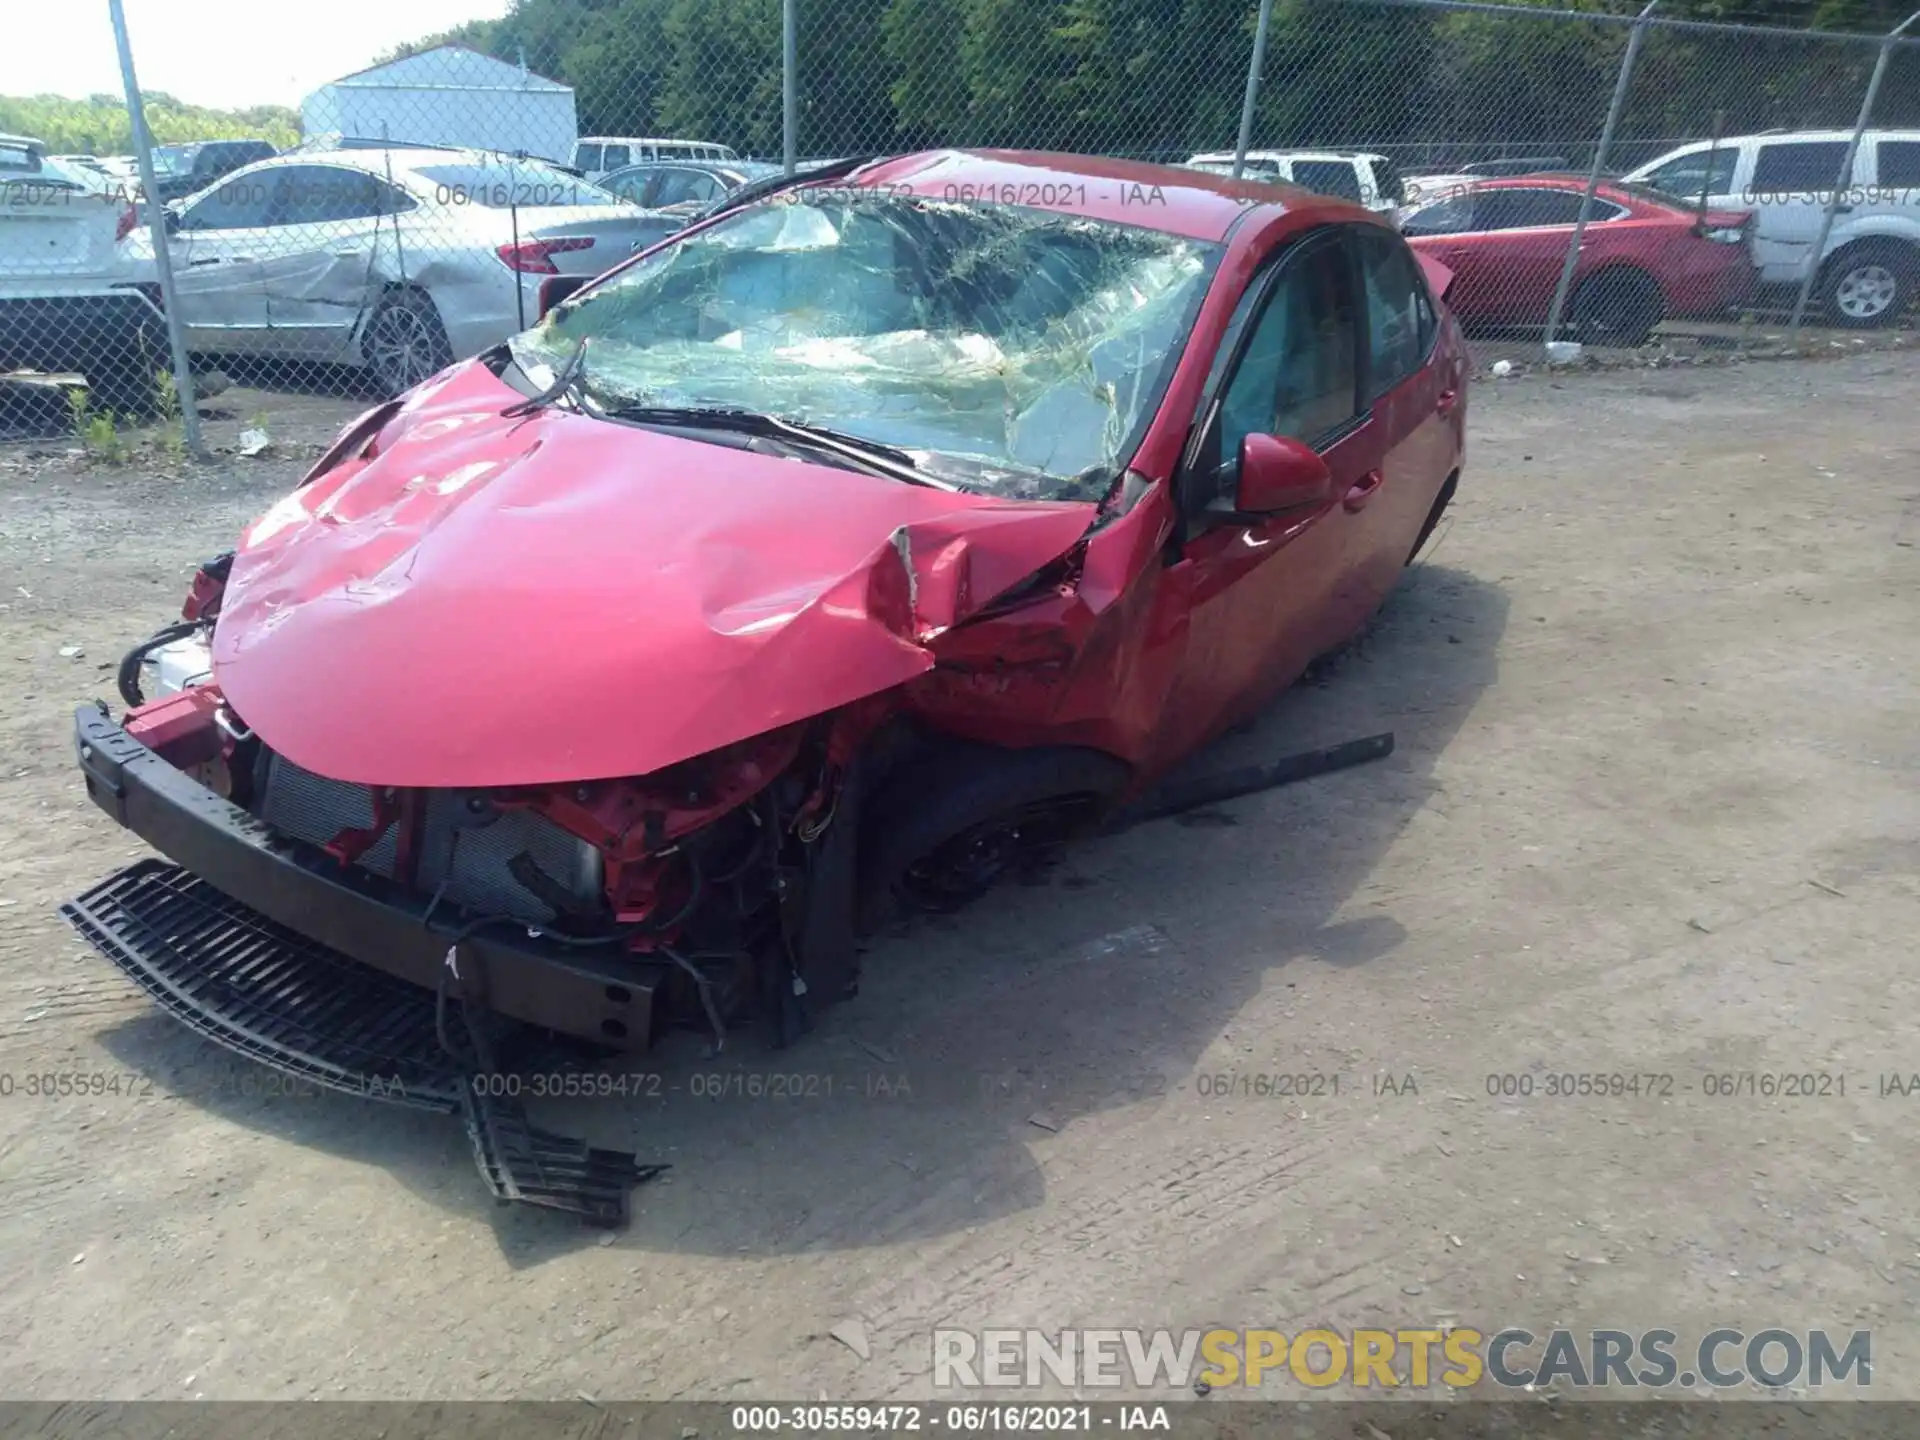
{"points": [[398, 261]]}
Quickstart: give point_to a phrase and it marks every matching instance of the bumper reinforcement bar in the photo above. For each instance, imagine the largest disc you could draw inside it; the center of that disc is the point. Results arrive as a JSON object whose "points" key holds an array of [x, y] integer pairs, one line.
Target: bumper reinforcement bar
{"points": [[276, 997]]}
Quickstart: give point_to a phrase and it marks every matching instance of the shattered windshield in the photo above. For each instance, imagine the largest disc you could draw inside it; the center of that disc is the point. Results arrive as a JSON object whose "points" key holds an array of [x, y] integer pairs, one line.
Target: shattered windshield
{"points": [[1005, 349]]}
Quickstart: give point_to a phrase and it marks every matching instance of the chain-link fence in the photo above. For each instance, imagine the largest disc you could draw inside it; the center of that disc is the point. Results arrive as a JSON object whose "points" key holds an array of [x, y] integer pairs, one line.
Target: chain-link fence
{"points": [[1599, 177]]}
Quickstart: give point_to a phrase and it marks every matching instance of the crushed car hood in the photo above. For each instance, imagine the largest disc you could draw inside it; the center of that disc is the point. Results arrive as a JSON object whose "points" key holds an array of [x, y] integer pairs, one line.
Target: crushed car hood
{"points": [[490, 601]]}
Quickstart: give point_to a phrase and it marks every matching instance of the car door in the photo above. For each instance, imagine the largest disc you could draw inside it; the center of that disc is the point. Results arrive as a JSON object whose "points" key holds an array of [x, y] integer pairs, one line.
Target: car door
{"points": [[1411, 391], [1264, 596], [1792, 182], [216, 250], [1524, 233], [1890, 190], [319, 258]]}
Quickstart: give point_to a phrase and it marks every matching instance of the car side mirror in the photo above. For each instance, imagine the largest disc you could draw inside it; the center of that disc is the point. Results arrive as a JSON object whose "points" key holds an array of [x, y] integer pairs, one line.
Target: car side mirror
{"points": [[1278, 473], [170, 219]]}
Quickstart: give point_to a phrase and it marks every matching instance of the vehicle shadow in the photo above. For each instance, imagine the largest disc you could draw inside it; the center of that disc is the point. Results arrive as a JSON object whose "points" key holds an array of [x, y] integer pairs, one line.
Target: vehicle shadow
{"points": [[912, 1111]]}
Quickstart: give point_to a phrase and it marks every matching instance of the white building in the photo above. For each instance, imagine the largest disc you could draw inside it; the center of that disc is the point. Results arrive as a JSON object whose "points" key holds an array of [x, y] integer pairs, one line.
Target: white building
{"points": [[450, 95]]}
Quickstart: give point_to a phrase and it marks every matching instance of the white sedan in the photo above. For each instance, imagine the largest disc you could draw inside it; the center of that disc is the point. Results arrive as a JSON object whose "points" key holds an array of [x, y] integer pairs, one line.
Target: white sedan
{"points": [[399, 261]]}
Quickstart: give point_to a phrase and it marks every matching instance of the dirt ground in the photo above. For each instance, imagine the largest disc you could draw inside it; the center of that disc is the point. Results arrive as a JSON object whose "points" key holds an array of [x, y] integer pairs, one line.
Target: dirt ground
{"points": [[1653, 811]]}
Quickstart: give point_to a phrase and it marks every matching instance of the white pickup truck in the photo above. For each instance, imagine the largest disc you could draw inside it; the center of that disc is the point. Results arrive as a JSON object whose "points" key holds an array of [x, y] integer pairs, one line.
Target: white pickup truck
{"points": [[68, 301], [1869, 269]]}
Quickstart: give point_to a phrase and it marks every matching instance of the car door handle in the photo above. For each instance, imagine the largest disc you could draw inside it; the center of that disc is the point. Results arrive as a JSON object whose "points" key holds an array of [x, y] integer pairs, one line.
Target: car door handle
{"points": [[210, 260], [349, 254], [1843, 209], [1363, 489], [1445, 402]]}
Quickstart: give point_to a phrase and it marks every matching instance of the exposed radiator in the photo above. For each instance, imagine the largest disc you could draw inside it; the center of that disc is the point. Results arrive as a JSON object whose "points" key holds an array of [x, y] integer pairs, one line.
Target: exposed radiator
{"points": [[462, 830]]}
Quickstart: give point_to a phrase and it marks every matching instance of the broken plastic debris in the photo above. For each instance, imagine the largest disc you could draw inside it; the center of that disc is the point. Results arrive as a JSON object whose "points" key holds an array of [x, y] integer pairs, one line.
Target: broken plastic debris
{"points": [[853, 1335], [1502, 368], [71, 652], [1563, 352], [254, 442]]}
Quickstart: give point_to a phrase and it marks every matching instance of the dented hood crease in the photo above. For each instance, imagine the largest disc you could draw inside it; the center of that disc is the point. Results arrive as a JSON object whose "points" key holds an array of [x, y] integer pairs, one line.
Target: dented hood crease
{"points": [[490, 601]]}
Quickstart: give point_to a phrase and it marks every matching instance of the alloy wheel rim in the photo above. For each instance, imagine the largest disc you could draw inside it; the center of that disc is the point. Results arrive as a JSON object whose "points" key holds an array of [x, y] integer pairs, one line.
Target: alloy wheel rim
{"points": [[402, 346], [1865, 291]]}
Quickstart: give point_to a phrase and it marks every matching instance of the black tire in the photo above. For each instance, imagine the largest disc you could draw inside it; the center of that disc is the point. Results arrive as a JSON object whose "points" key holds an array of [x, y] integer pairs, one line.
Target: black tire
{"points": [[404, 342], [955, 818], [1869, 284], [1618, 307]]}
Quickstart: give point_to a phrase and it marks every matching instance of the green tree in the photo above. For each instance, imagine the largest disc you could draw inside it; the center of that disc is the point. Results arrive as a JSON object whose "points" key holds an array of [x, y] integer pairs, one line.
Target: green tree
{"points": [[100, 125], [723, 73]]}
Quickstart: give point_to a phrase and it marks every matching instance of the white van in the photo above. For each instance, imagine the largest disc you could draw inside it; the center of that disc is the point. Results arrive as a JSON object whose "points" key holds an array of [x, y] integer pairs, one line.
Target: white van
{"points": [[1365, 179], [598, 155], [1870, 269]]}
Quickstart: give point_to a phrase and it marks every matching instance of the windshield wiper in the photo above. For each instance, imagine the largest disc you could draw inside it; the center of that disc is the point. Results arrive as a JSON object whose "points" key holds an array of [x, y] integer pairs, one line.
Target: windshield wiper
{"points": [[869, 455], [569, 383]]}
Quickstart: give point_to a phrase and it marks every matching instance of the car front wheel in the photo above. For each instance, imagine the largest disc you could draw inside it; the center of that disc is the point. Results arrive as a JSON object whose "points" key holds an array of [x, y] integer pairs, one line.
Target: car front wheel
{"points": [[960, 816], [1868, 285], [405, 342]]}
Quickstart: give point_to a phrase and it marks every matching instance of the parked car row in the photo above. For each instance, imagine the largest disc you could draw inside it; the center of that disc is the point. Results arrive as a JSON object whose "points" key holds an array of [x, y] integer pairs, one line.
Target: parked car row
{"points": [[1691, 232], [400, 260]]}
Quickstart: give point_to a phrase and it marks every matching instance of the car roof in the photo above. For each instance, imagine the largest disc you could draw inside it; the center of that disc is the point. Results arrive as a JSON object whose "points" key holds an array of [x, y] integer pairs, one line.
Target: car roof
{"points": [[745, 169], [400, 157], [1216, 156], [642, 140], [1190, 203], [1615, 191], [1792, 137]]}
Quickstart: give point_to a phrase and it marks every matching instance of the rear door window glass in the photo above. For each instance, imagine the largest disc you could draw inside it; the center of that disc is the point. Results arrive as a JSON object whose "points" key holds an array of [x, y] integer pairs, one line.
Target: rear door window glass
{"points": [[1899, 162], [1328, 177], [239, 202], [1524, 209], [1400, 319], [1798, 167]]}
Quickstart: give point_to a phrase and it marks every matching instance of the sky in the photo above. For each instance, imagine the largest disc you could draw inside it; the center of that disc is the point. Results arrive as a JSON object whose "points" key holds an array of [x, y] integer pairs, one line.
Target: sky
{"points": [[222, 53]]}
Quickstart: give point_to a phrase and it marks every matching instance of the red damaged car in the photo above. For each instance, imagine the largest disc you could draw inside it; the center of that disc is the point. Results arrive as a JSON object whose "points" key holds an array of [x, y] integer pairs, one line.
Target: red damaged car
{"points": [[816, 560]]}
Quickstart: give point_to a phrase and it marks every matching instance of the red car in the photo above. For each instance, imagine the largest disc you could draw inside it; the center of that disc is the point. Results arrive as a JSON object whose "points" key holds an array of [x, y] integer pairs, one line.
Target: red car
{"points": [[819, 558], [1644, 256]]}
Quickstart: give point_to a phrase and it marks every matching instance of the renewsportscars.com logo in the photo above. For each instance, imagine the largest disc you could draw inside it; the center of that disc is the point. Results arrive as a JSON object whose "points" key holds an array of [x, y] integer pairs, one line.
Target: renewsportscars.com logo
{"points": [[1455, 1358]]}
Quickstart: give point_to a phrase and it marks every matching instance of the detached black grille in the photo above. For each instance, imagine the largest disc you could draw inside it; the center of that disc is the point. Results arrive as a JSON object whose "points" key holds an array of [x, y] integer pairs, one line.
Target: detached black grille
{"points": [[263, 990], [275, 996]]}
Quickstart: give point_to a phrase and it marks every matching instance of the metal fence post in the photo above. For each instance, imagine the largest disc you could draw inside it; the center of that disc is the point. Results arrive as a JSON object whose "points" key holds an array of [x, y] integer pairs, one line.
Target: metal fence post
{"points": [[789, 83], [1844, 179], [157, 228], [1253, 87], [1593, 175]]}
